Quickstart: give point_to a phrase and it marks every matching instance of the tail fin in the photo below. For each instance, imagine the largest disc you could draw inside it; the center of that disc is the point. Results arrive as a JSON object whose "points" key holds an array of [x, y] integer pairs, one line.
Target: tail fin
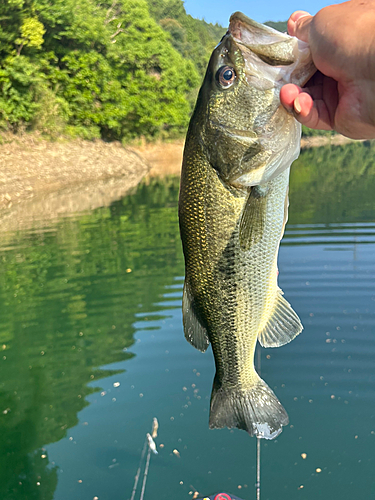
{"points": [[256, 410]]}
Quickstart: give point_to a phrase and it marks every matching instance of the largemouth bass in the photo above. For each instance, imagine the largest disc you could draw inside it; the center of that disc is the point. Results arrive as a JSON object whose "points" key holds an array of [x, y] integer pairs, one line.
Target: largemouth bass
{"points": [[233, 208]]}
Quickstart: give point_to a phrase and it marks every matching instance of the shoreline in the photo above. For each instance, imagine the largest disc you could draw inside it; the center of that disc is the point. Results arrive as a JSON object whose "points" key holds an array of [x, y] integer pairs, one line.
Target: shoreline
{"points": [[166, 158], [42, 180]]}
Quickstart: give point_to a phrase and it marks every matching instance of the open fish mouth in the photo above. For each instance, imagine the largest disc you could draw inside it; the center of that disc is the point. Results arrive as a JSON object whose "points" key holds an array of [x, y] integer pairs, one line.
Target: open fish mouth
{"points": [[270, 55]]}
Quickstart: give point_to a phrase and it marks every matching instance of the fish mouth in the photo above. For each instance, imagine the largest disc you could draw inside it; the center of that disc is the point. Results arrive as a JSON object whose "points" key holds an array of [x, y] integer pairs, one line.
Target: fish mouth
{"points": [[286, 59]]}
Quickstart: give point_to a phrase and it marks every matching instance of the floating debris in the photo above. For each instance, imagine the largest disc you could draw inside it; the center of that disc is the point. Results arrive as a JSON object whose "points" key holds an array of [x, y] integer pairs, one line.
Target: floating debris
{"points": [[177, 453], [318, 470], [151, 444], [155, 427], [304, 455]]}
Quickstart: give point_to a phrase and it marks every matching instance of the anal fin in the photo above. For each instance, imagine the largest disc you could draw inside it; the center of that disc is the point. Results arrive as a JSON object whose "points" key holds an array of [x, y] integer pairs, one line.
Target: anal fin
{"points": [[283, 325], [195, 332]]}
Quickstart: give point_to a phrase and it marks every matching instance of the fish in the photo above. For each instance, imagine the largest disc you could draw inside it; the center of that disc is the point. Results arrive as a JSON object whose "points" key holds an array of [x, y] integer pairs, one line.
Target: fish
{"points": [[233, 207]]}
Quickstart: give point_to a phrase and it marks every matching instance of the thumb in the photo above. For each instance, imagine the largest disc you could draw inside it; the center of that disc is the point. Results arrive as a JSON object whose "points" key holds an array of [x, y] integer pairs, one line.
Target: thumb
{"points": [[299, 25]]}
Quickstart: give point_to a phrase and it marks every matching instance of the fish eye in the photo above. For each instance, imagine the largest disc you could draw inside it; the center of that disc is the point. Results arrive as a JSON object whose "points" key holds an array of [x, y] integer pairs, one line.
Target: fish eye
{"points": [[226, 76]]}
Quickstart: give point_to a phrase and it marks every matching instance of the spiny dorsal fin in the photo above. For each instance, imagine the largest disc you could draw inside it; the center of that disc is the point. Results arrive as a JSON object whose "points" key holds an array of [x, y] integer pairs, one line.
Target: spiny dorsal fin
{"points": [[195, 332], [283, 325], [253, 218]]}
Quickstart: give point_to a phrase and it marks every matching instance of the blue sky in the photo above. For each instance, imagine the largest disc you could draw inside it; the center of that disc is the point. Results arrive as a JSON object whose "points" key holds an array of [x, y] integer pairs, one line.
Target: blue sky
{"points": [[259, 10]]}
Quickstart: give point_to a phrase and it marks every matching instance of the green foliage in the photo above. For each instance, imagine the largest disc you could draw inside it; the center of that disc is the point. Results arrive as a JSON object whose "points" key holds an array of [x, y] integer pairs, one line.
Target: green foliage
{"points": [[51, 113], [32, 32], [309, 132], [96, 70], [19, 78], [193, 38]]}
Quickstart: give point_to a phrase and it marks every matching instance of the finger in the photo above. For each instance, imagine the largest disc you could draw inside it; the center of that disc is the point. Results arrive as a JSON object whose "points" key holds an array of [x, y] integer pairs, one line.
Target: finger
{"points": [[313, 114], [288, 93], [303, 105], [299, 25]]}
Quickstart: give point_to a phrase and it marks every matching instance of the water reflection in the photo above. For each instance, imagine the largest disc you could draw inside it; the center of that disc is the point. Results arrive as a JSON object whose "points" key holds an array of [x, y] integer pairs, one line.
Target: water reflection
{"points": [[333, 184], [92, 346], [69, 296]]}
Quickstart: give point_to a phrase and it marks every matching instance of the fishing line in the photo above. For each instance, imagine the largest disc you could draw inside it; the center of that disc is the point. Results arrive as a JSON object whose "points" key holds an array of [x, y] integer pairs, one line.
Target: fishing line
{"points": [[139, 470], [257, 484], [145, 474]]}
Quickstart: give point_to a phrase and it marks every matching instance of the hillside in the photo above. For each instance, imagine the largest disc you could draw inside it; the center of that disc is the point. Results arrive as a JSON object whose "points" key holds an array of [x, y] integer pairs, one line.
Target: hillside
{"points": [[116, 70]]}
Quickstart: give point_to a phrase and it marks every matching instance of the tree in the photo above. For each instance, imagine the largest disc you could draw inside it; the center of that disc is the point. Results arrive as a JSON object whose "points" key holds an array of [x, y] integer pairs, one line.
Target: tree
{"points": [[32, 32]]}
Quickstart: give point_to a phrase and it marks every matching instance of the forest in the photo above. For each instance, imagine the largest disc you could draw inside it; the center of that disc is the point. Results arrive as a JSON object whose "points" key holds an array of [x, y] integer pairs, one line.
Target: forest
{"points": [[114, 70]]}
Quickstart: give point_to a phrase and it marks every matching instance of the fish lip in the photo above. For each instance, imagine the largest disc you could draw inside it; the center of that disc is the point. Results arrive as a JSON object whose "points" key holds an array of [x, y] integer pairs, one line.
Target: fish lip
{"points": [[293, 58], [238, 18]]}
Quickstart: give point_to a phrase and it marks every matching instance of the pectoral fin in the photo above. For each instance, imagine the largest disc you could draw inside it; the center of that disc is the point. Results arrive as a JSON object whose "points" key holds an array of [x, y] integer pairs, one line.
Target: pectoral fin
{"points": [[195, 332], [283, 325], [253, 218]]}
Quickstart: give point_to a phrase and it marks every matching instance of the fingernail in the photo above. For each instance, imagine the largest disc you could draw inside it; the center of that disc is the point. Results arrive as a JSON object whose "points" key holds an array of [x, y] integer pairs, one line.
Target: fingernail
{"points": [[291, 26], [298, 14], [297, 105]]}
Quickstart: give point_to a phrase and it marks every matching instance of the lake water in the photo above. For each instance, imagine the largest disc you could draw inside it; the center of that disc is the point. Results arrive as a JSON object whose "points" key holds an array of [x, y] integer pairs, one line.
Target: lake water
{"points": [[93, 349]]}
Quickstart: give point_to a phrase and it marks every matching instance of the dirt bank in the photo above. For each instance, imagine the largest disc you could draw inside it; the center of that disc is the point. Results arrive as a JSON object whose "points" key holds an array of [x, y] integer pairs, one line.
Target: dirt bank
{"points": [[40, 179], [163, 158]]}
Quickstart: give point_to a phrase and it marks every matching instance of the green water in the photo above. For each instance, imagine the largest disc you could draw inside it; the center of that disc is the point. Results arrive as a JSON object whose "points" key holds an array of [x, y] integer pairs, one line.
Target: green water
{"points": [[93, 349]]}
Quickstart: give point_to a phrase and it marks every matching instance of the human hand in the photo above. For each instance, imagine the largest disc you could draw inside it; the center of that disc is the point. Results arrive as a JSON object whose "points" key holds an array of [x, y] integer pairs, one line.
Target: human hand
{"points": [[341, 95]]}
